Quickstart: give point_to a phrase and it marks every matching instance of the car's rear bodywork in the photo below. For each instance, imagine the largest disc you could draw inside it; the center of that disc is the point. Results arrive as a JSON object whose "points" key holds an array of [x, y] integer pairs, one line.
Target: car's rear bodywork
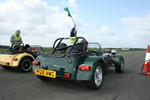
{"points": [[13, 60], [15, 56]]}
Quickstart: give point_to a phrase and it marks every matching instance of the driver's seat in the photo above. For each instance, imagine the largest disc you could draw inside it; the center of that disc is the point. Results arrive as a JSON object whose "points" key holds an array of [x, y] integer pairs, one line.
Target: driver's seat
{"points": [[62, 47], [18, 48], [77, 48], [14, 48]]}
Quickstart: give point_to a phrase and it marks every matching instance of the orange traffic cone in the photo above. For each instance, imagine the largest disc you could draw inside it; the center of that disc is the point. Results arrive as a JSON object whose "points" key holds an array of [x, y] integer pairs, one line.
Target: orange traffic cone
{"points": [[146, 67]]}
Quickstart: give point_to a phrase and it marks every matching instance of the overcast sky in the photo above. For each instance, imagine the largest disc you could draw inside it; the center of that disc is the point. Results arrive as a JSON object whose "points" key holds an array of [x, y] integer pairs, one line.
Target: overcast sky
{"points": [[112, 23]]}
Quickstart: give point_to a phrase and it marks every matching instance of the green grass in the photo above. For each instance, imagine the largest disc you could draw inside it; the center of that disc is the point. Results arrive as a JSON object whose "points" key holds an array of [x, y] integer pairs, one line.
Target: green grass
{"points": [[129, 50], [2, 49]]}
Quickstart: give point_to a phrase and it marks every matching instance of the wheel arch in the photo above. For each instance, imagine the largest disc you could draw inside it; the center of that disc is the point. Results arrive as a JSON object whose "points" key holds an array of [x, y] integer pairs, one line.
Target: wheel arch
{"points": [[87, 75], [100, 62], [23, 56], [29, 57]]}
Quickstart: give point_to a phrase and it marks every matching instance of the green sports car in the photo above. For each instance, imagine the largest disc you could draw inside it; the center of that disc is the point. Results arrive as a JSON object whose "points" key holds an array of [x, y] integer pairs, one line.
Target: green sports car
{"points": [[80, 61]]}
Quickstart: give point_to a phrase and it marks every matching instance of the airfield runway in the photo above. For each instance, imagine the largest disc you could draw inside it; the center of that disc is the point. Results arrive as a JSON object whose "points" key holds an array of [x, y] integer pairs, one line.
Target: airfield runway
{"points": [[129, 85]]}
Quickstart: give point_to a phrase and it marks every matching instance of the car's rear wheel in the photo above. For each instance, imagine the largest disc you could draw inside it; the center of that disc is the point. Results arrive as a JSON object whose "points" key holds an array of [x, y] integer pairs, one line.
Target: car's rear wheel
{"points": [[97, 78], [26, 64], [120, 68]]}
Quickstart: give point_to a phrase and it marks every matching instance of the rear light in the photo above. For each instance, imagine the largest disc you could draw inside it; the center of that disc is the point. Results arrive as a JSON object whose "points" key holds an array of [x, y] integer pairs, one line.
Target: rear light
{"points": [[7, 63], [35, 63], [67, 75], [84, 68], [14, 59], [34, 49]]}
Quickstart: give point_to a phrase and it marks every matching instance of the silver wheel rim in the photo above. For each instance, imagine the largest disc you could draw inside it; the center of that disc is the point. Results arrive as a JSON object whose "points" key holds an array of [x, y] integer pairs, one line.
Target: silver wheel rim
{"points": [[122, 66], [98, 75], [26, 69]]}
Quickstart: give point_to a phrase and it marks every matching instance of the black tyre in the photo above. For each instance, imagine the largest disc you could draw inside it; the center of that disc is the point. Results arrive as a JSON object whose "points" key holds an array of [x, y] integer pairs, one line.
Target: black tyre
{"points": [[26, 64], [97, 78], [120, 67], [43, 78]]}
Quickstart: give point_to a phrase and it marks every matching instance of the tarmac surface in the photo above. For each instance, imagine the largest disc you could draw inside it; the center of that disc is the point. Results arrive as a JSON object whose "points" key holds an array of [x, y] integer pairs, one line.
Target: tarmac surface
{"points": [[129, 85]]}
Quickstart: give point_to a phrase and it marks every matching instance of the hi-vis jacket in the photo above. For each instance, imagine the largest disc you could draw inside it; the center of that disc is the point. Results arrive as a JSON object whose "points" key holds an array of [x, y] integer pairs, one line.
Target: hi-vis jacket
{"points": [[16, 39]]}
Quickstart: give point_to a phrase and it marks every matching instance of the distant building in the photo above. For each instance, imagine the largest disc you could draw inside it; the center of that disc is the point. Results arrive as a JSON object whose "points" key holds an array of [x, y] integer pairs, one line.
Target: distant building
{"points": [[125, 48]]}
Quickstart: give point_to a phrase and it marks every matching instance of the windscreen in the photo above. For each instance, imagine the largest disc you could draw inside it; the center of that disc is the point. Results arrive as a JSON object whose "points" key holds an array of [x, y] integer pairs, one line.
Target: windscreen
{"points": [[94, 47]]}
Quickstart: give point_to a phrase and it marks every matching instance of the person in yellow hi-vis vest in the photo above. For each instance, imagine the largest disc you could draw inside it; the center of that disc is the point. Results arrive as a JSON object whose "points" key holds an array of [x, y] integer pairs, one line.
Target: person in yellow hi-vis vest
{"points": [[73, 35], [16, 38]]}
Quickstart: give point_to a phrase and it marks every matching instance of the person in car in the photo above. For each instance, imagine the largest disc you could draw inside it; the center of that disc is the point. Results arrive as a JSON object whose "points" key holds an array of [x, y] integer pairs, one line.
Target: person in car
{"points": [[16, 38], [73, 35], [79, 46]]}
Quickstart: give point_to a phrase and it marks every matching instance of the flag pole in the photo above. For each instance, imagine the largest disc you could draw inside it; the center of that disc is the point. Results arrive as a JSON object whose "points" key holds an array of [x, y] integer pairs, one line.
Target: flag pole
{"points": [[69, 14], [73, 21]]}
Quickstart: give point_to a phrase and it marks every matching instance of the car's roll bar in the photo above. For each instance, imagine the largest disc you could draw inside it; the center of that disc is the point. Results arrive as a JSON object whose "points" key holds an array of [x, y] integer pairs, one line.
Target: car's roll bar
{"points": [[59, 40]]}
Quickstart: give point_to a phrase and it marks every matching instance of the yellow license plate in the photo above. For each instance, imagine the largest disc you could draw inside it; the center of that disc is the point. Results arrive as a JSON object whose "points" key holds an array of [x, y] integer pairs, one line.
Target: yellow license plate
{"points": [[47, 73]]}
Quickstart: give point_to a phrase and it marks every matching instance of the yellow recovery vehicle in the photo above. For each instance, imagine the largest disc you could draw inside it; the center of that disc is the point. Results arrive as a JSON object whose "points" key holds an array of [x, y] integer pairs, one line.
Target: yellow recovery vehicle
{"points": [[19, 57]]}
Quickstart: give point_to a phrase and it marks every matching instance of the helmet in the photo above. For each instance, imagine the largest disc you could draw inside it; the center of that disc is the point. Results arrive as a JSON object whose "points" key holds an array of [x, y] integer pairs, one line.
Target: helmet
{"points": [[17, 32], [113, 51]]}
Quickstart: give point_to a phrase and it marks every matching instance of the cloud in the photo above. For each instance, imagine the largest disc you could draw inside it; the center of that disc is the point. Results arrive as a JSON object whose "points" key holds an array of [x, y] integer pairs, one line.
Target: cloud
{"points": [[71, 4], [39, 22], [135, 33], [105, 29], [137, 30], [105, 36]]}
